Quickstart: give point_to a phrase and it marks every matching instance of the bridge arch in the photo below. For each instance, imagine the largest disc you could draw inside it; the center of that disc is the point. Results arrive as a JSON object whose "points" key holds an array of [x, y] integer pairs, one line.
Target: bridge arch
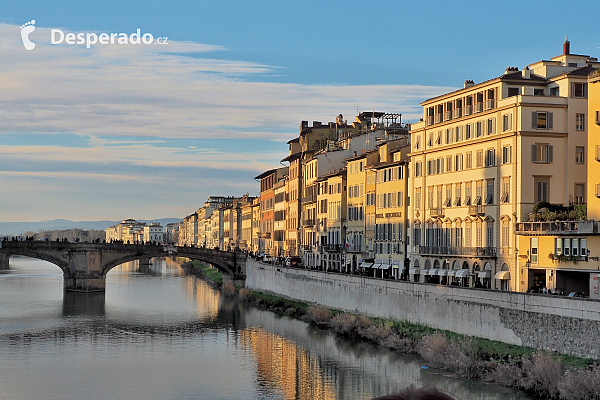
{"points": [[133, 257], [59, 262]]}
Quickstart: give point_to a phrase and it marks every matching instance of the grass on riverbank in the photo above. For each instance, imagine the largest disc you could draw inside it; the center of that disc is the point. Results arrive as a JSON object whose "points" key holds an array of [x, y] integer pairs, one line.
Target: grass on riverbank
{"points": [[541, 374], [206, 271]]}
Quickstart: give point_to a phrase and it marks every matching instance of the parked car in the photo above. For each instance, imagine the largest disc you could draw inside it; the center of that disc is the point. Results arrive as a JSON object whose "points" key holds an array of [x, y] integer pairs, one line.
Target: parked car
{"points": [[576, 294], [293, 262], [267, 258]]}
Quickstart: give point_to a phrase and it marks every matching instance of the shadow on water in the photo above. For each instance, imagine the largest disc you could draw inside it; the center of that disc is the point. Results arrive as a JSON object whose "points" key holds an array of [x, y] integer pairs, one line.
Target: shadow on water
{"points": [[83, 304]]}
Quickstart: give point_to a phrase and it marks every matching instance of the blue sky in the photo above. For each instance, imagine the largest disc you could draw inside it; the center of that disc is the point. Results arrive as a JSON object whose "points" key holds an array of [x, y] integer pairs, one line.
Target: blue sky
{"points": [[146, 132]]}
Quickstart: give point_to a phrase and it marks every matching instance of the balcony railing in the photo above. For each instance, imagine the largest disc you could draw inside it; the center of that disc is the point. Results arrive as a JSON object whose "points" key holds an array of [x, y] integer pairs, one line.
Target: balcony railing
{"points": [[311, 198], [459, 251], [457, 112], [438, 118], [429, 121], [447, 115], [354, 249], [490, 104], [333, 247], [478, 107], [476, 210], [468, 110], [557, 228], [308, 222], [436, 212]]}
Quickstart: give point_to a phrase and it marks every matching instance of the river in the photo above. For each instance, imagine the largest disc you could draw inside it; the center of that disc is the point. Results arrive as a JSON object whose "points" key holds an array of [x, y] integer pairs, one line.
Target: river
{"points": [[162, 334]]}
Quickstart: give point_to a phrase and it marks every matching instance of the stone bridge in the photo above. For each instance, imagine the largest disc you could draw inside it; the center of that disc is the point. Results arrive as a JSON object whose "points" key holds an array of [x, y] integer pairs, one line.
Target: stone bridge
{"points": [[85, 265]]}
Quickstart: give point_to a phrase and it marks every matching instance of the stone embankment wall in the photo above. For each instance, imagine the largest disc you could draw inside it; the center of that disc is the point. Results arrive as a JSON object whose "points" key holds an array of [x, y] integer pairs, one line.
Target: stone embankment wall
{"points": [[561, 324]]}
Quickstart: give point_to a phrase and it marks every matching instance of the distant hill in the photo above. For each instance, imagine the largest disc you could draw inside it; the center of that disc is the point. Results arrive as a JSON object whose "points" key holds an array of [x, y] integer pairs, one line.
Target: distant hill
{"points": [[18, 228]]}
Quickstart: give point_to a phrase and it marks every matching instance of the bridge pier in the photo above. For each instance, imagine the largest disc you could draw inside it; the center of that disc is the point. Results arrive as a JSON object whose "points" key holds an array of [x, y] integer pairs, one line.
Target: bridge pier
{"points": [[84, 272], [4, 261], [144, 264]]}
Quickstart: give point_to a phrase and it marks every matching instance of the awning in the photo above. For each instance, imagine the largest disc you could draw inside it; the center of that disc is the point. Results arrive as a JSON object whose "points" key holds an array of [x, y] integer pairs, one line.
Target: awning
{"points": [[503, 275], [366, 265], [485, 274], [443, 272], [452, 272], [463, 273], [434, 271], [414, 271], [424, 272], [375, 266], [384, 266]]}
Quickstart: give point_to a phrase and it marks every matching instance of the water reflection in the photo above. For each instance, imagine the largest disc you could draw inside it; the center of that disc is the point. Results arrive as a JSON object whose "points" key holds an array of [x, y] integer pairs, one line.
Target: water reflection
{"points": [[76, 304], [163, 334]]}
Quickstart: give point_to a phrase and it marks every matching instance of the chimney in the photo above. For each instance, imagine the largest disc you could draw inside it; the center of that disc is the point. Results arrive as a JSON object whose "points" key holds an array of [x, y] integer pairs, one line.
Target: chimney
{"points": [[566, 46], [526, 73], [469, 83]]}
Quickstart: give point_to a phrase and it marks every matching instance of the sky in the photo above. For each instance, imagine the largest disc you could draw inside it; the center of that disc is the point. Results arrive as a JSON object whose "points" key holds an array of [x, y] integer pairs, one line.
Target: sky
{"points": [[151, 131]]}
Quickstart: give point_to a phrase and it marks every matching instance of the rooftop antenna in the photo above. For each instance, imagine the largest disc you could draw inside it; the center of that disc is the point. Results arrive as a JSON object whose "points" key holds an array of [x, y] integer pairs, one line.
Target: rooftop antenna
{"points": [[356, 105]]}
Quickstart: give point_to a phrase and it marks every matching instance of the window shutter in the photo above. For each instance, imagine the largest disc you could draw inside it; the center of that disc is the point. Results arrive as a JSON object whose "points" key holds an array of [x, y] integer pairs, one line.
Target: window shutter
{"points": [[550, 120], [510, 121], [533, 159], [534, 120], [550, 153]]}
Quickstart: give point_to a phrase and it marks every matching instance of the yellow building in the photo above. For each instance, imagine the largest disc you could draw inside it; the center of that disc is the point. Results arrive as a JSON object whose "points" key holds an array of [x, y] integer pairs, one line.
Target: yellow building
{"points": [[483, 156]]}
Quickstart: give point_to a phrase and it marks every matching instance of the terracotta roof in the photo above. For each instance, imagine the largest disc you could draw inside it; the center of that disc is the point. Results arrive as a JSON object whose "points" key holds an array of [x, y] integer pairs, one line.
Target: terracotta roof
{"points": [[292, 157], [583, 71]]}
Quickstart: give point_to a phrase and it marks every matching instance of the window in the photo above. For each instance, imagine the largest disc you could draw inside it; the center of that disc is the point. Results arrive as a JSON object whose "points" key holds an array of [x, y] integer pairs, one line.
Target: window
{"points": [[541, 189], [579, 193], [418, 169], [490, 157], [533, 250], [541, 120], [541, 153], [458, 132], [490, 234], [538, 92], [448, 135], [505, 234], [478, 128], [513, 91], [506, 122], [580, 122], [506, 154], [505, 190], [478, 235], [489, 192], [448, 201], [418, 198], [458, 162], [457, 192], [449, 164], [580, 90], [555, 91], [469, 160], [579, 154], [491, 126], [468, 131], [479, 158], [417, 142]]}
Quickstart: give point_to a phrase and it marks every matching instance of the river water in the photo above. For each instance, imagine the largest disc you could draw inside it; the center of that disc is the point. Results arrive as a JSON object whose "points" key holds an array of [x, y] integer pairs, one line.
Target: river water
{"points": [[162, 334]]}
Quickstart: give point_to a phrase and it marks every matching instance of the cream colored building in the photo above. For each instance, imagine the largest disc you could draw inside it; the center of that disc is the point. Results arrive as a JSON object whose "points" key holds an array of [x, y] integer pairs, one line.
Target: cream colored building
{"points": [[483, 156]]}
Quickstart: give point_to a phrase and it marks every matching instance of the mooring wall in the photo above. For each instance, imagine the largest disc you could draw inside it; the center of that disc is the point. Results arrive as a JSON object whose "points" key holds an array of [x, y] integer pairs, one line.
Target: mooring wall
{"points": [[561, 324]]}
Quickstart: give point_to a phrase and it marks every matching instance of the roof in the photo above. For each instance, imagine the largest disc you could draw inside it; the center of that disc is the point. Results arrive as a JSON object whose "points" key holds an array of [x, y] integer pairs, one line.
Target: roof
{"points": [[583, 71], [292, 157], [294, 140], [265, 174]]}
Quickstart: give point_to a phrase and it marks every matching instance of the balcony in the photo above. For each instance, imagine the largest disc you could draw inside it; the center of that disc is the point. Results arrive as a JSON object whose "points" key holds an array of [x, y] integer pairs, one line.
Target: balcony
{"points": [[308, 222], [436, 212], [458, 251], [438, 118], [447, 115], [468, 110], [311, 198], [476, 210], [457, 112], [557, 228], [429, 121], [478, 107], [333, 247], [354, 249], [490, 104]]}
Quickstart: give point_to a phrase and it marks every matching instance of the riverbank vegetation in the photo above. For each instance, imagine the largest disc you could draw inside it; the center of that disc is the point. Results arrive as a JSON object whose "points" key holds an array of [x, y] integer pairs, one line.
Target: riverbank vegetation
{"points": [[541, 374], [204, 271]]}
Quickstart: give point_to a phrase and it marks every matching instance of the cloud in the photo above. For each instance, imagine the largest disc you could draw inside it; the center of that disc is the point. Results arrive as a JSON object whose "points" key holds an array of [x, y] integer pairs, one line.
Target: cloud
{"points": [[165, 109]]}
